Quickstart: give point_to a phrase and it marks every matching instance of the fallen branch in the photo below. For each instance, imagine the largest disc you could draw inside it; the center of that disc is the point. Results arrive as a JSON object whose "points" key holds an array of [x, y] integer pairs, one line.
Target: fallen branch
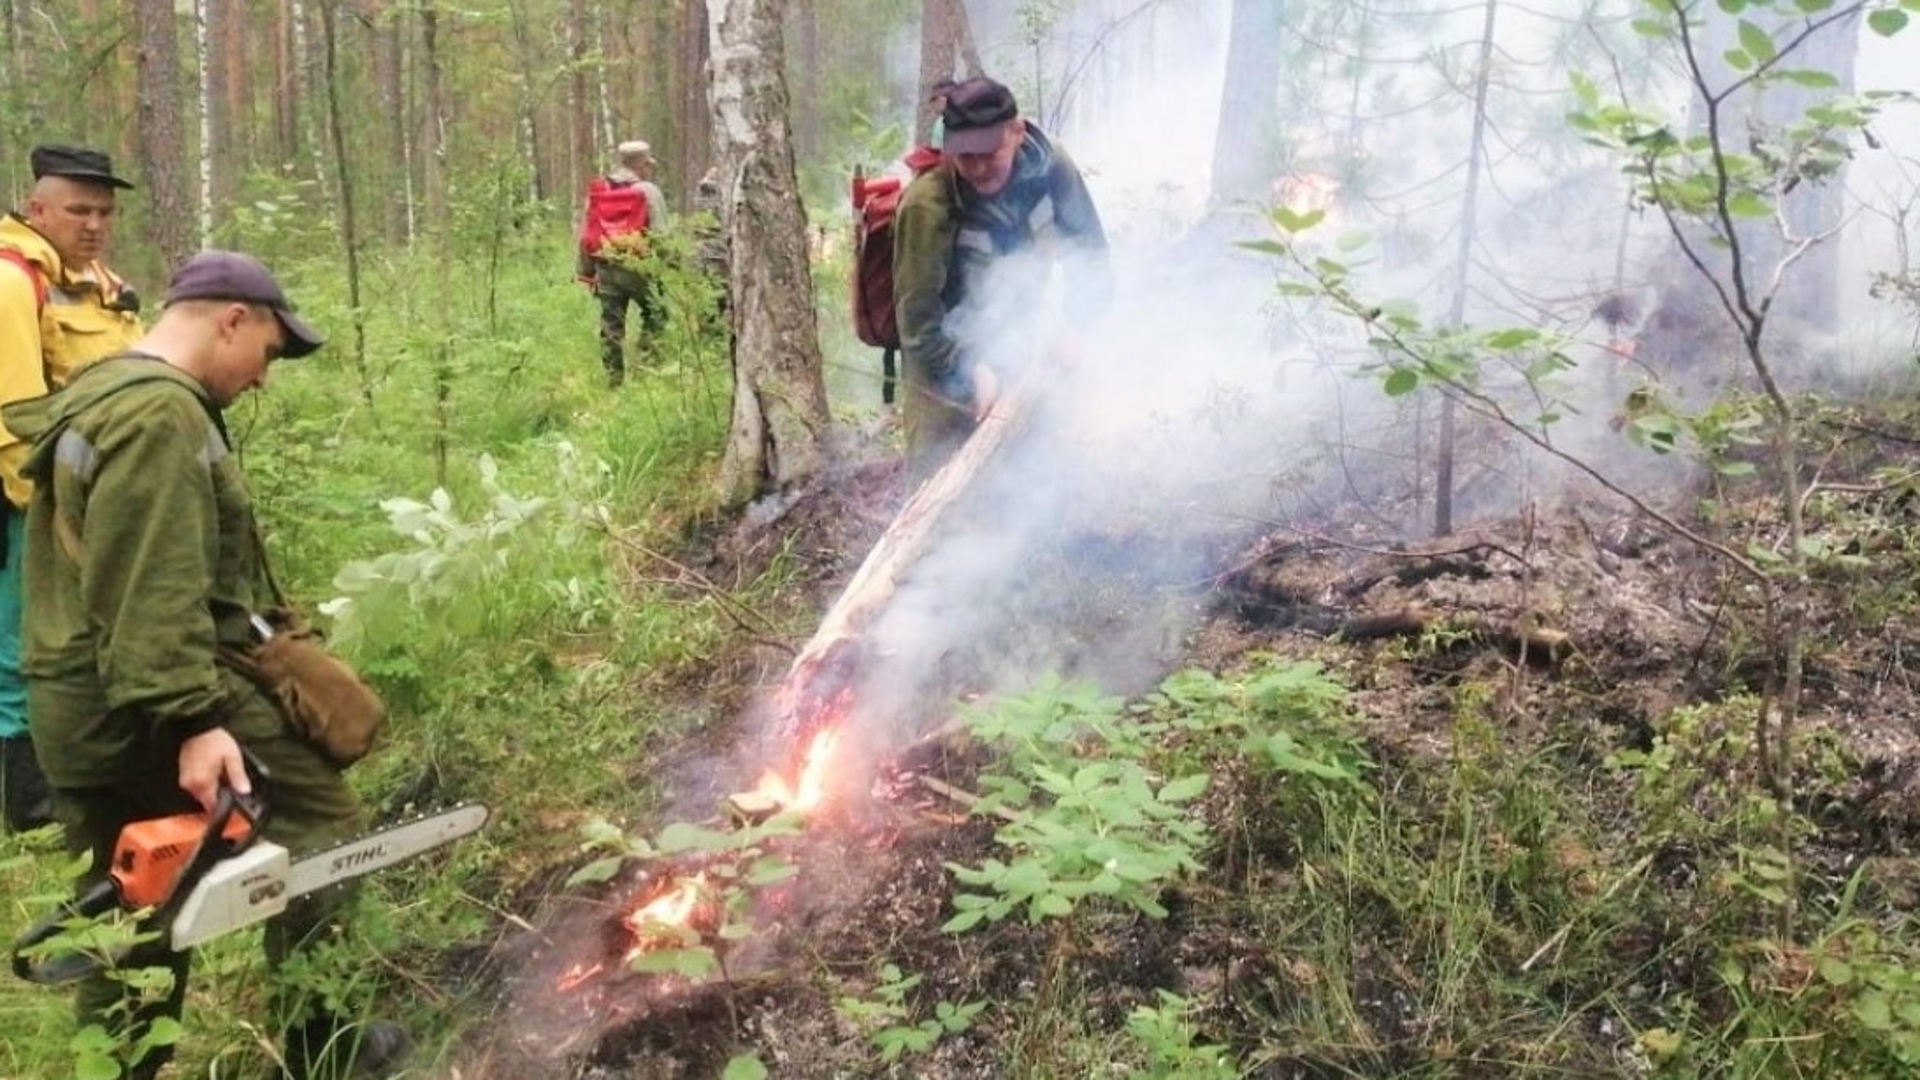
{"points": [[965, 798]]}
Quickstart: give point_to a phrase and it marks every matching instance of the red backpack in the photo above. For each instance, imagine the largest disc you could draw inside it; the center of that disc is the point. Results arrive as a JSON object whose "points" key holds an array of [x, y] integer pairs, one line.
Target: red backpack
{"points": [[613, 210], [875, 201]]}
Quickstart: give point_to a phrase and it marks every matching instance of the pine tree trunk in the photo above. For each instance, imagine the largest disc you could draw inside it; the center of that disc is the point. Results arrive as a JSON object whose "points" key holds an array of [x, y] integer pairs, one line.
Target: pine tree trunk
{"points": [[349, 220], [579, 105], [160, 133], [946, 52], [1243, 157], [286, 91], [234, 146], [696, 141], [529, 104], [779, 428]]}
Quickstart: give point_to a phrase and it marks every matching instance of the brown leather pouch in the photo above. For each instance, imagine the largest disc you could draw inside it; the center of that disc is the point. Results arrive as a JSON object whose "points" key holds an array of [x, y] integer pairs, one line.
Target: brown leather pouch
{"points": [[324, 699]]}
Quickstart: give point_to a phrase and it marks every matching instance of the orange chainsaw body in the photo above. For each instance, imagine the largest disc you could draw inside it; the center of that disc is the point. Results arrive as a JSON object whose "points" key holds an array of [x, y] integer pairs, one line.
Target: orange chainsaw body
{"points": [[148, 857]]}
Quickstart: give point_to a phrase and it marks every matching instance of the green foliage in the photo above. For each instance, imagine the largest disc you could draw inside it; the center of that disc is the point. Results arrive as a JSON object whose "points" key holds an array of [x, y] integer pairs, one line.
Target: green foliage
{"points": [[1166, 1033], [1081, 825], [1096, 797], [454, 558], [886, 1016], [1695, 780]]}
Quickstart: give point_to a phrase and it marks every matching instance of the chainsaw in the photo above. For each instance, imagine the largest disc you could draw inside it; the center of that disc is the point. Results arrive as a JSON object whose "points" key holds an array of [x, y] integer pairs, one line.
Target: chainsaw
{"points": [[208, 874]]}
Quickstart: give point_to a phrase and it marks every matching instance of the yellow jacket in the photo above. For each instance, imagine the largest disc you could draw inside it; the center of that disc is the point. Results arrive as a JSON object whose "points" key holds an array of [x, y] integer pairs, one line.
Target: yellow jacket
{"points": [[42, 348]]}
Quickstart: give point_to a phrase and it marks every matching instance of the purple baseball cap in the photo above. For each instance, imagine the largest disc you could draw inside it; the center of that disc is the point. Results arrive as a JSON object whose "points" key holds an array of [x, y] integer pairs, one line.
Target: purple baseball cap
{"points": [[229, 275]]}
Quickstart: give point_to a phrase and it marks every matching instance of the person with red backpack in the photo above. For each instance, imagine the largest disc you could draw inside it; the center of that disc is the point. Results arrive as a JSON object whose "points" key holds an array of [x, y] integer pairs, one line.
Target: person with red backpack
{"points": [[61, 309], [622, 208], [975, 240]]}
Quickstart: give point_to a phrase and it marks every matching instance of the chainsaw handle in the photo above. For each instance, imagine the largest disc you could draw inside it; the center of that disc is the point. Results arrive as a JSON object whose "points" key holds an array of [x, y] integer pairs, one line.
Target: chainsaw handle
{"points": [[70, 966]]}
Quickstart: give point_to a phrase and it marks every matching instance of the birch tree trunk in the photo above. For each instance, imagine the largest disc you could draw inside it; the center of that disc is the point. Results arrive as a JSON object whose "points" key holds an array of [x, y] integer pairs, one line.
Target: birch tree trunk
{"points": [[159, 132], [779, 428], [203, 63], [529, 100]]}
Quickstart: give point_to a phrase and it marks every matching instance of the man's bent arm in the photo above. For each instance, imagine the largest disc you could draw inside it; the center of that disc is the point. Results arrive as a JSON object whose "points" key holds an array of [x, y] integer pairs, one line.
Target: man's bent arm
{"points": [[923, 237]]}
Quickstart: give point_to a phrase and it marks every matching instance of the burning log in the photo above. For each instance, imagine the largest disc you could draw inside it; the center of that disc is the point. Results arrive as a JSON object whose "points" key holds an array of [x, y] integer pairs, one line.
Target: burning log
{"points": [[822, 675], [684, 906]]}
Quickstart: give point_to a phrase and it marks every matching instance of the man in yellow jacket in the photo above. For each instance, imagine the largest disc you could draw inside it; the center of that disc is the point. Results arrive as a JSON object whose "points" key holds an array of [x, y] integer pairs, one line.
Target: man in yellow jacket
{"points": [[60, 310]]}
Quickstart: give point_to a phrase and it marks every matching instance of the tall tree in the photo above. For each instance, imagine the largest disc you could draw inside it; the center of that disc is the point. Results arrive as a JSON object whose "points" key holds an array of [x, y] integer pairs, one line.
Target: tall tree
{"points": [[209, 110], [778, 435], [946, 51], [1244, 153], [160, 134]]}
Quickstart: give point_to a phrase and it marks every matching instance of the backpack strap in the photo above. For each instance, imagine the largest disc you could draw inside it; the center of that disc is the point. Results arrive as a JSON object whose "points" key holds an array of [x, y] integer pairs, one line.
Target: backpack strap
{"points": [[32, 271]]}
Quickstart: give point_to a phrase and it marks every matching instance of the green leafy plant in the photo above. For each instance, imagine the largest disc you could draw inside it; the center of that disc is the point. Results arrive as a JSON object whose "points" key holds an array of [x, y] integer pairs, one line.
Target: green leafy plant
{"points": [[1167, 1034], [1079, 825], [452, 554], [887, 1015]]}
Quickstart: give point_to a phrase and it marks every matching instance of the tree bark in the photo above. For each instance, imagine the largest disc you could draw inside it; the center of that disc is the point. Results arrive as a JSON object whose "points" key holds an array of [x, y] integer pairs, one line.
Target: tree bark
{"points": [[349, 221], [779, 427], [692, 119], [204, 64], [535, 140], [946, 52], [580, 105], [1243, 152], [159, 132]]}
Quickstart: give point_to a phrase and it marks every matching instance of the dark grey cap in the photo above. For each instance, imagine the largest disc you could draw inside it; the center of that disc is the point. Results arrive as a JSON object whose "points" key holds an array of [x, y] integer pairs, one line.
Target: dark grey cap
{"points": [[976, 115], [75, 162], [229, 275]]}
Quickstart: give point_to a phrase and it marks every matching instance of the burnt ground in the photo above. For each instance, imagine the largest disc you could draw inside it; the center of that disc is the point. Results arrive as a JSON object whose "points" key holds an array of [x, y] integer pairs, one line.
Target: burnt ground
{"points": [[1586, 624]]}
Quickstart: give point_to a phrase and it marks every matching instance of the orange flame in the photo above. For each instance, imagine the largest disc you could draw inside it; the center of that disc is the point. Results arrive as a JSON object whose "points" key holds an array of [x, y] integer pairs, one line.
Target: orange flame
{"points": [[810, 788], [676, 906]]}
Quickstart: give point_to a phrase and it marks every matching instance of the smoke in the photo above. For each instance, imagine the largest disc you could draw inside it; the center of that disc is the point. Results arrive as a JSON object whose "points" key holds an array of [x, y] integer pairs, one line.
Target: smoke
{"points": [[1205, 408]]}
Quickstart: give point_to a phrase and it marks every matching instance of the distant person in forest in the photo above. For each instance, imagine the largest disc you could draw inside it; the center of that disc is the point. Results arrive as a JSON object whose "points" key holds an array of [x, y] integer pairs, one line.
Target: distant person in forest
{"points": [[60, 310], [623, 207], [974, 241]]}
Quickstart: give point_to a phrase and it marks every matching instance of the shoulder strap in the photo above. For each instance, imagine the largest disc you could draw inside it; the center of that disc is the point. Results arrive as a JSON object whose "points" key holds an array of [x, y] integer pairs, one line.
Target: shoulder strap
{"points": [[27, 267]]}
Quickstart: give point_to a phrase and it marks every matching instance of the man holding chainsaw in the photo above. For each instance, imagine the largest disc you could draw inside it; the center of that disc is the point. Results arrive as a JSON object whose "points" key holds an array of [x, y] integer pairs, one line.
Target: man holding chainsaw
{"points": [[975, 241], [143, 563]]}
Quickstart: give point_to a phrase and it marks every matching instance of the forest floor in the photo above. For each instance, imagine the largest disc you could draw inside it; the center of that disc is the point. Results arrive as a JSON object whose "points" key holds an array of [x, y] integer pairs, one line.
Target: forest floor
{"points": [[1575, 916]]}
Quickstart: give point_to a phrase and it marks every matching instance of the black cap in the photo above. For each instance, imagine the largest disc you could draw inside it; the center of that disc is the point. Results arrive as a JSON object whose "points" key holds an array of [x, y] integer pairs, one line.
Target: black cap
{"points": [[75, 162], [976, 116], [229, 275]]}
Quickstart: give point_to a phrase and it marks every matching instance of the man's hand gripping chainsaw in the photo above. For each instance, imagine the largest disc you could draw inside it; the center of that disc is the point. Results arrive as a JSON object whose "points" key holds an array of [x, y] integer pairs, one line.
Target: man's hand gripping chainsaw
{"points": [[209, 874]]}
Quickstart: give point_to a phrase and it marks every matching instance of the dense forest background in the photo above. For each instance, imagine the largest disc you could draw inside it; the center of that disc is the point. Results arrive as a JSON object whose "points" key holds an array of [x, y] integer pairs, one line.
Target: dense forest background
{"points": [[1388, 269]]}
